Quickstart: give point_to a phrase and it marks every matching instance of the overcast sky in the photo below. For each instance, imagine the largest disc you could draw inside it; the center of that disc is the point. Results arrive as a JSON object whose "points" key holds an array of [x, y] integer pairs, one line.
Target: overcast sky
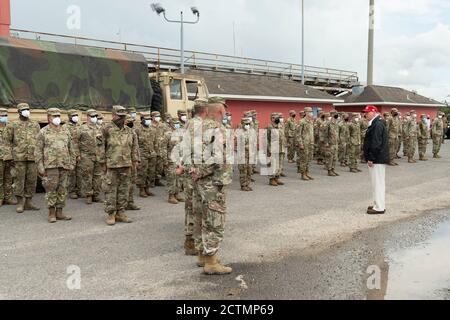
{"points": [[412, 37]]}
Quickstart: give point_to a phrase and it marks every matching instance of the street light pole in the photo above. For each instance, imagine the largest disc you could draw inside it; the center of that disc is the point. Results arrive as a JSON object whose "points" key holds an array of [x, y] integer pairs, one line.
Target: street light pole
{"points": [[159, 9], [303, 42], [371, 43]]}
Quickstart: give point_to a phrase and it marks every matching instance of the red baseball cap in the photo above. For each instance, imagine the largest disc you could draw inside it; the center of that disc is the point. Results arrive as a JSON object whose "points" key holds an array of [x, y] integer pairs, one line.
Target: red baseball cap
{"points": [[371, 109]]}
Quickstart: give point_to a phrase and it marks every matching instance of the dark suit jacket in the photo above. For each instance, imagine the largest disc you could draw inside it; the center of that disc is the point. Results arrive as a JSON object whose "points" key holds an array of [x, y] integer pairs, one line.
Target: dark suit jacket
{"points": [[376, 142]]}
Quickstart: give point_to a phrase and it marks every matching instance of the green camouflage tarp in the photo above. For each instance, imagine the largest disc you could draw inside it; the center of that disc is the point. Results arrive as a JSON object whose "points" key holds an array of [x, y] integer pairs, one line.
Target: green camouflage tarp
{"points": [[47, 74]]}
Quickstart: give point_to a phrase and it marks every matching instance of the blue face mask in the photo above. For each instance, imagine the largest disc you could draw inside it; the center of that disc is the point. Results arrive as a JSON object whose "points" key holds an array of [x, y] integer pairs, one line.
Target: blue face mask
{"points": [[3, 119], [177, 126]]}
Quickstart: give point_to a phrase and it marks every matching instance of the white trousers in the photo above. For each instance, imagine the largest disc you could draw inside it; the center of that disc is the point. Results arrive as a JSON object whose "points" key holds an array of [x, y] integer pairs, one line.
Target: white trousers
{"points": [[377, 176]]}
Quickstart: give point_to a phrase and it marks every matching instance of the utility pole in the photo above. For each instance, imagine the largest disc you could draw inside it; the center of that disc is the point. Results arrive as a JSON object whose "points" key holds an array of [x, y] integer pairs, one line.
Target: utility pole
{"points": [[371, 43], [303, 42]]}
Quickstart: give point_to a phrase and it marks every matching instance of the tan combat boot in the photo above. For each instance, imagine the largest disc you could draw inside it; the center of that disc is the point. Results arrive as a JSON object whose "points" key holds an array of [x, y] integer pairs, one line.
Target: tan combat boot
{"points": [[330, 173], [189, 247], [179, 197], [391, 163], [353, 170], [10, 201], [212, 266], [60, 215], [1, 202], [309, 177], [172, 199], [111, 220], [200, 260], [122, 217], [89, 200], [304, 177], [410, 160], [148, 192], [30, 206], [142, 193], [335, 173], [20, 205], [73, 196], [273, 182], [279, 182], [52, 215], [132, 206]]}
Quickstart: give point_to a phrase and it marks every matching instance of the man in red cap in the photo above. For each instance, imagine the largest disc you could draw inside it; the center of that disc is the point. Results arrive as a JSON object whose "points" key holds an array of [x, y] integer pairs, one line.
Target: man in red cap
{"points": [[376, 153]]}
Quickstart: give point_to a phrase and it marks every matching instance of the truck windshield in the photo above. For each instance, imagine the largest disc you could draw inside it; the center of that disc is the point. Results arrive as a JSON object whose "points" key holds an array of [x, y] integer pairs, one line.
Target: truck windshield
{"points": [[175, 90]]}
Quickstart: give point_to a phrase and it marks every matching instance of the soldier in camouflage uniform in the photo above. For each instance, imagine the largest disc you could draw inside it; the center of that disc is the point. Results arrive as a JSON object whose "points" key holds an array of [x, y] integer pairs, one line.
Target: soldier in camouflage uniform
{"points": [[55, 158], [73, 125], [129, 122], [245, 137], [411, 136], [364, 124], [160, 129], [354, 143], [422, 137], [291, 126], [304, 141], [100, 122], [173, 141], [404, 135], [227, 120], [344, 136], [122, 153], [182, 118], [92, 157], [283, 159], [394, 131], [255, 123], [211, 180], [329, 137], [276, 145], [437, 131], [22, 137], [5, 161], [317, 144], [400, 135], [445, 123], [146, 135]]}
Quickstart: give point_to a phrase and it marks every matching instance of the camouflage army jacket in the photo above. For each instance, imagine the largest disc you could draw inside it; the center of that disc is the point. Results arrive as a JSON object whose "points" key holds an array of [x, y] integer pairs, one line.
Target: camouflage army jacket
{"points": [[290, 128], [422, 133], [5, 146], [355, 133], [121, 146], [394, 127], [147, 141], [73, 129], [304, 134], [54, 149], [344, 134], [437, 128], [275, 136], [329, 133], [22, 136], [160, 130], [214, 168], [91, 143], [411, 129], [363, 125], [173, 139]]}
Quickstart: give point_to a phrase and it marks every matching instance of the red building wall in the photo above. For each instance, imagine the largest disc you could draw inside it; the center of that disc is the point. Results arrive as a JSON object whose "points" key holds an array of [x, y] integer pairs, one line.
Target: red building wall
{"points": [[265, 108], [5, 18], [431, 111]]}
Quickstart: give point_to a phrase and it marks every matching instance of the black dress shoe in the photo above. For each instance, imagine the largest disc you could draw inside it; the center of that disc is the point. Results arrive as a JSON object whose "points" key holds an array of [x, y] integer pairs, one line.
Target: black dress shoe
{"points": [[372, 211]]}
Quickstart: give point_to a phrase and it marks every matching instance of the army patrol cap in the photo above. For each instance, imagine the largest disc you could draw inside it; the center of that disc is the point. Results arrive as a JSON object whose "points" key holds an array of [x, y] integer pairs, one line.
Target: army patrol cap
{"points": [[327, 114], [228, 113], [355, 115], [3, 112], [394, 110], [131, 109], [99, 116], [146, 115], [181, 112], [92, 113], [385, 113], [220, 100], [200, 102], [413, 111], [245, 121], [23, 106], [307, 109], [423, 115], [155, 114], [54, 112], [72, 112], [119, 110], [333, 112], [247, 114], [292, 112], [408, 114]]}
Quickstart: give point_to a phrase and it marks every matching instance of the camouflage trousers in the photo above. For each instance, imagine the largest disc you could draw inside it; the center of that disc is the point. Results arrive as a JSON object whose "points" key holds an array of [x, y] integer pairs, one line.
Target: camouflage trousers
{"points": [[291, 149], [245, 174], [422, 146], [354, 156], [189, 218], [74, 183], [437, 141], [210, 219], [116, 186], [318, 150], [304, 157], [331, 154], [411, 150], [89, 178], [174, 182], [342, 152], [146, 174], [5, 180], [159, 168], [405, 146], [276, 165], [399, 145], [55, 185], [132, 182], [24, 174], [393, 148]]}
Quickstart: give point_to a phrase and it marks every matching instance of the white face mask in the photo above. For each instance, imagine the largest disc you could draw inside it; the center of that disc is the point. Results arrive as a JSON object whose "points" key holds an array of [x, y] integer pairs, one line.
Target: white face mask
{"points": [[157, 119], [133, 115], [229, 118], [408, 117], [3, 119], [25, 113], [147, 123], [183, 118], [93, 119], [357, 119], [56, 121], [440, 117], [415, 115], [281, 120], [329, 118], [224, 121], [247, 127], [75, 119], [99, 121]]}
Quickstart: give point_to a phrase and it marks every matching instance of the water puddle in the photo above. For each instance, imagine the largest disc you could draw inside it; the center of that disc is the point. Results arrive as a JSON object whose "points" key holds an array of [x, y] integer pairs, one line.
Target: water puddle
{"points": [[421, 271]]}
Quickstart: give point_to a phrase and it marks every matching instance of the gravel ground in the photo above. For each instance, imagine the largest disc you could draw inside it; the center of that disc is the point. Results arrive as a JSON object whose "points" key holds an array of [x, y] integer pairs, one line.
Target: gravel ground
{"points": [[268, 228]]}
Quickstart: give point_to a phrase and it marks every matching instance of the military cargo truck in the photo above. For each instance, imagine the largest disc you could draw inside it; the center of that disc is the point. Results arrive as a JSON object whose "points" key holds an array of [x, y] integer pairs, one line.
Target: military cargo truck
{"points": [[50, 74]]}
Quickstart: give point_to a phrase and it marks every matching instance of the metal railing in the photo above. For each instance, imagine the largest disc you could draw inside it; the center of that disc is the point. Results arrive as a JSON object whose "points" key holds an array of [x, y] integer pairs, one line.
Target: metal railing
{"points": [[169, 59]]}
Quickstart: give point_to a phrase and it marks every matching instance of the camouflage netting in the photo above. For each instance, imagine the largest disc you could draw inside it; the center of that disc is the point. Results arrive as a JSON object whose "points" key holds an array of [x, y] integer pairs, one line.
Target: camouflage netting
{"points": [[47, 74]]}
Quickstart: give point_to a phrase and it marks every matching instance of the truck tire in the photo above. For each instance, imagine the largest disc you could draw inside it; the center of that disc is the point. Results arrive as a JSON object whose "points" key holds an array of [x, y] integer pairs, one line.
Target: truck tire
{"points": [[157, 98]]}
